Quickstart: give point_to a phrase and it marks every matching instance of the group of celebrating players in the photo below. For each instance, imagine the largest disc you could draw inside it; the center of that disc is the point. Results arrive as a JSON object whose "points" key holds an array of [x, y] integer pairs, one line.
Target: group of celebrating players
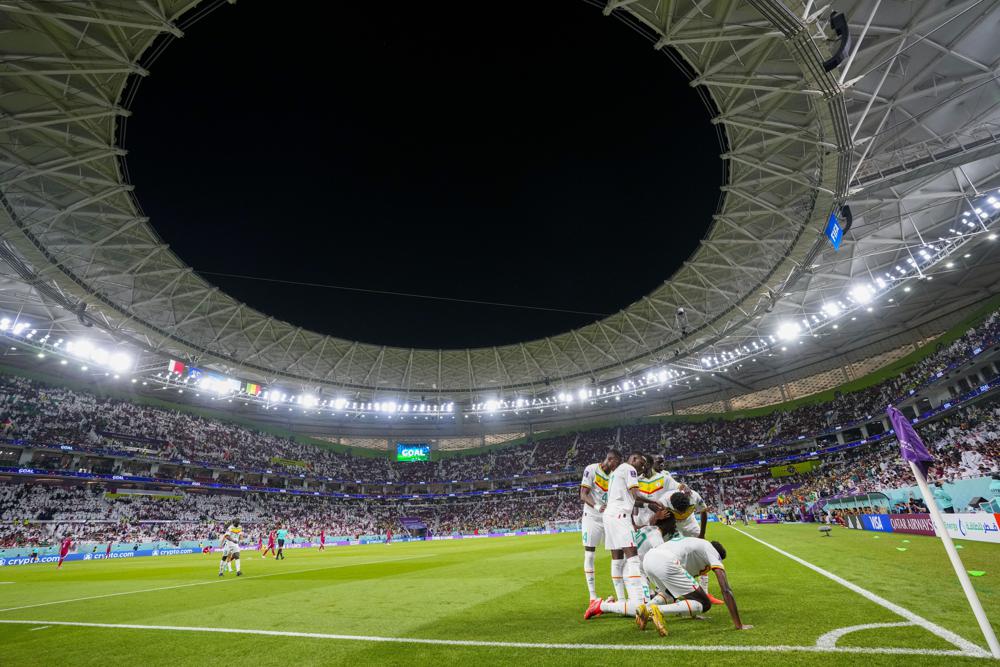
{"points": [[646, 519], [229, 543]]}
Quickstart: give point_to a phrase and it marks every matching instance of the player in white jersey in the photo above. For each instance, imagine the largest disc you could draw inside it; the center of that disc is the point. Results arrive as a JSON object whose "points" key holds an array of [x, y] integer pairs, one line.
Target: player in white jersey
{"points": [[230, 543], [672, 566], [594, 494], [619, 533], [684, 507], [657, 485]]}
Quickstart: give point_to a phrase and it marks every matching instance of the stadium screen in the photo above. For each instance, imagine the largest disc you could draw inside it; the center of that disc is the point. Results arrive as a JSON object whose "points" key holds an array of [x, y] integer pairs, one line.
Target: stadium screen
{"points": [[408, 452]]}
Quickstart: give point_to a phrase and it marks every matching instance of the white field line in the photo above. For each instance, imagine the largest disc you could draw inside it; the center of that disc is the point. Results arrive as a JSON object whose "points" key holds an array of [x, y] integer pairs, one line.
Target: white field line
{"points": [[213, 581], [957, 640], [525, 645], [829, 640], [39, 628]]}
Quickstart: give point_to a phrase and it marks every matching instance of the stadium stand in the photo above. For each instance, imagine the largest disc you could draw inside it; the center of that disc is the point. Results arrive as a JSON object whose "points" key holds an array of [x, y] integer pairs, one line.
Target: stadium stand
{"points": [[104, 435]]}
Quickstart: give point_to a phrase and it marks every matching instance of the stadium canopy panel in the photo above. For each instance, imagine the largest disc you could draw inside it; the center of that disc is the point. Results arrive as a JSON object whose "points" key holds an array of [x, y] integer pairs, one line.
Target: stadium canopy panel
{"points": [[905, 129]]}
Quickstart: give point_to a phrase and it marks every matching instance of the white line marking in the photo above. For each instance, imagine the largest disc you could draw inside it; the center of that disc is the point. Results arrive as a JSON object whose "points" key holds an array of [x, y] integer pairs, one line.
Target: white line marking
{"points": [[6, 582], [39, 628], [967, 647], [214, 581], [528, 645], [829, 640]]}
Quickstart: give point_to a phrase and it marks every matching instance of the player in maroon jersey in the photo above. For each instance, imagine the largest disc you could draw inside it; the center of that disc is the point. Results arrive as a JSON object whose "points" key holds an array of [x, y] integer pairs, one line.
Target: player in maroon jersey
{"points": [[270, 544], [64, 548], [107, 552], [322, 540]]}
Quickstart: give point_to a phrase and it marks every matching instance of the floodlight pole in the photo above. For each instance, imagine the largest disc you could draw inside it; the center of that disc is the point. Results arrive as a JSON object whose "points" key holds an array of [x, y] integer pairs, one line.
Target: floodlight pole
{"points": [[956, 562]]}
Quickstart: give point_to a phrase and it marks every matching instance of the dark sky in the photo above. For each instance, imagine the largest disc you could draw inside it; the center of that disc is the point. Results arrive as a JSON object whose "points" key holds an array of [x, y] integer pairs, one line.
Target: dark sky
{"points": [[544, 156]]}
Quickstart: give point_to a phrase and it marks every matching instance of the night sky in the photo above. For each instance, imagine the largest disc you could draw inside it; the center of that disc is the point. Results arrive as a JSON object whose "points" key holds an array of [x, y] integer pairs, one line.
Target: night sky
{"points": [[543, 156]]}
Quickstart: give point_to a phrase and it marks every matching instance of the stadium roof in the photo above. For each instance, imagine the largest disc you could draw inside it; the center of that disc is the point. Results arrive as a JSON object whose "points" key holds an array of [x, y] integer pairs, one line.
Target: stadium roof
{"points": [[906, 130]]}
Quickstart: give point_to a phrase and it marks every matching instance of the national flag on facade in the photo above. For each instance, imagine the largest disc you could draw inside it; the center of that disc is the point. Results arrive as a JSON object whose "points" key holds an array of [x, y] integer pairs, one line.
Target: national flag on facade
{"points": [[911, 446], [175, 366], [252, 388]]}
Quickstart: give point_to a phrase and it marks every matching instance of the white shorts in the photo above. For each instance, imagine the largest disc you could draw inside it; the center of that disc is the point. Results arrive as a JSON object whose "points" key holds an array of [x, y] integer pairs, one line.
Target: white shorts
{"points": [[666, 572], [690, 527], [647, 538], [593, 530], [618, 531], [229, 548]]}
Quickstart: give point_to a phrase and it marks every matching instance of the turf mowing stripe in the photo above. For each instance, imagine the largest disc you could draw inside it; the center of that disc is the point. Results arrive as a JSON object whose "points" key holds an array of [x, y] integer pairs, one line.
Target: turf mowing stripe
{"points": [[528, 645], [213, 581], [967, 647], [829, 640]]}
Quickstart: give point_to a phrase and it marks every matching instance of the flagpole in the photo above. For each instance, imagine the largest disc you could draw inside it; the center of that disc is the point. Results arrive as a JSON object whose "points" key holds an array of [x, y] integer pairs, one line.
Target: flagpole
{"points": [[956, 562]]}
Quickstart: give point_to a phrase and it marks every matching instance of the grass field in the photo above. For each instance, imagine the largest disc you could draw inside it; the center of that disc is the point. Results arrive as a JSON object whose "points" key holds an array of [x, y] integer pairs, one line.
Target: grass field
{"points": [[495, 601]]}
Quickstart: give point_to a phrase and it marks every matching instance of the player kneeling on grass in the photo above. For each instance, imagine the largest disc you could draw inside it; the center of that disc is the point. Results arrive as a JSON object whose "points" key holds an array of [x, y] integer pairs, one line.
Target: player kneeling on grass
{"points": [[231, 548], [672, 568]]}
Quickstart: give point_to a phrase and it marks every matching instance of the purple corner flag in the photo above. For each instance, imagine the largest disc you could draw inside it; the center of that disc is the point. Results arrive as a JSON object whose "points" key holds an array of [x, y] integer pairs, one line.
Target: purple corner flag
{"points": [[910, 445]]}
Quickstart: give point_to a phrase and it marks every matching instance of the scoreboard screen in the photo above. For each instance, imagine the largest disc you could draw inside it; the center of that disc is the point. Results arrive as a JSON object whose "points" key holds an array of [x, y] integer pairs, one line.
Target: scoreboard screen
{"points": [[410, 452]]}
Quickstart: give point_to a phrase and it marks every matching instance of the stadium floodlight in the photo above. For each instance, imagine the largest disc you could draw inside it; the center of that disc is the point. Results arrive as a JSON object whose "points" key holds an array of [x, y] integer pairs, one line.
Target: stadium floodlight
{"points": [[863, 293], [100, 357], [339, 403], [831, 309], [21, 326], [491, 405], [4, 324], [120, 362], [788, 330], [310, 401]]}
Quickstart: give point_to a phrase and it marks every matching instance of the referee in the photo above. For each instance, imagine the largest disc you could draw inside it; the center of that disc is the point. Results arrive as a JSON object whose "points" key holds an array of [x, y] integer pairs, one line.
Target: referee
{"points": [[282, 534]]}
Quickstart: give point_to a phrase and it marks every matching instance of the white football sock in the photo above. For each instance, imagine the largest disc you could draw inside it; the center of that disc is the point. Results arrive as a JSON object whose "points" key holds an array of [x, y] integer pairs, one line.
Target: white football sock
{"points": [[633, 580], [646, 593], [229, 566], [682, 608], [659, 598], [222, 566], [237, 564], [623, 607], [703, 580], [588, 572], [617, 580]]}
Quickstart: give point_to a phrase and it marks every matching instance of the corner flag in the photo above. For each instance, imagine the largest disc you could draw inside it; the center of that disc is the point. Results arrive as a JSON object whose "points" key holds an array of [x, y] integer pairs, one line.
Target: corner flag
{"points": [[915, 453], [911, 446]]}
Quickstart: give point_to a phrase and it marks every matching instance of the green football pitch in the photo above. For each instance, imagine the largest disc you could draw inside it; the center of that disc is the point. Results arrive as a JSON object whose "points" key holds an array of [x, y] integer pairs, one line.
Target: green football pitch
{"points": [[853, 598]]}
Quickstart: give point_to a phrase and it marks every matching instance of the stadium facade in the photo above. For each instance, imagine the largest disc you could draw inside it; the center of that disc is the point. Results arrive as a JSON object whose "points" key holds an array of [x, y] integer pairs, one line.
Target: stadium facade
{"points": [[898, 123]]}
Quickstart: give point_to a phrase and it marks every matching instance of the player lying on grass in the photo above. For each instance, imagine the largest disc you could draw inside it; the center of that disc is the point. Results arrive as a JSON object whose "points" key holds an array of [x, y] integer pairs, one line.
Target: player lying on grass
{"points": [[671, 567]]}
